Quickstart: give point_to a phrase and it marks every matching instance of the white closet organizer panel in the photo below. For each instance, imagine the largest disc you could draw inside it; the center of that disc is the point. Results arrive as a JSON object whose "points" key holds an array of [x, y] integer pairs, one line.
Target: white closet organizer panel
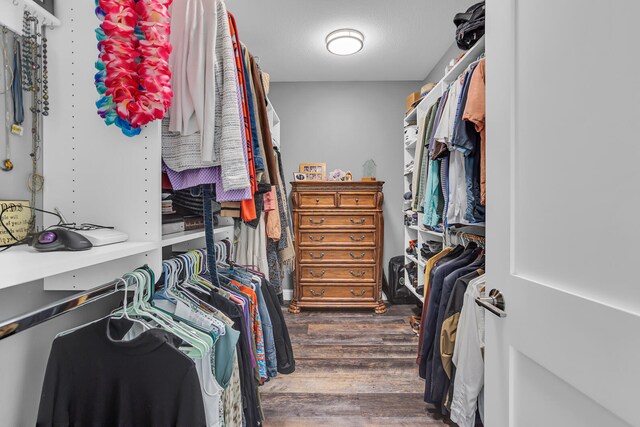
{"points": [[11, 12], [93, 173]]}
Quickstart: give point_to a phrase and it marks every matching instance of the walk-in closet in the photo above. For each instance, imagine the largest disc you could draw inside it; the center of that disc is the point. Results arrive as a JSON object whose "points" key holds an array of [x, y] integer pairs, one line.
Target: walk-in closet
{"points": [[292, 213]]}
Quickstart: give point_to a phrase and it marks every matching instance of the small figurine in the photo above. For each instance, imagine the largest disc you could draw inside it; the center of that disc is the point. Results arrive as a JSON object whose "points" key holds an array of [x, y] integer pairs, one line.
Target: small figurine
{"points": [[369, 170]]}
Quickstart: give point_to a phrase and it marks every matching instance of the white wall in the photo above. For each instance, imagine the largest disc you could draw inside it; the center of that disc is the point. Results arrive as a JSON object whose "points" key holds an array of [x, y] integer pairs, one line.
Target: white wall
{"points": [[344, 124]]}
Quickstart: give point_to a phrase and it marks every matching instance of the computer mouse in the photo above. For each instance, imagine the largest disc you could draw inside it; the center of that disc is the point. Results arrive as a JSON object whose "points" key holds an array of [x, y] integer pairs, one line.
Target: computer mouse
{"points": [[60, 239]]}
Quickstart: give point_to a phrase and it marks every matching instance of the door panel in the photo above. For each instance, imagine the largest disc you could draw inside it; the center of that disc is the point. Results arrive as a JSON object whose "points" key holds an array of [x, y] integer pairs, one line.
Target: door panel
{"points": [[536, 391], [562, 180]]}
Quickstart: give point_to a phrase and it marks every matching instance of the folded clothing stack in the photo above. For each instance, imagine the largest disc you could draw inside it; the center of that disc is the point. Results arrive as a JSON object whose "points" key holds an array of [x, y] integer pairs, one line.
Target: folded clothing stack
{"points": [[167, 204], [408, 168], [410, 218], [430, 249], [410, 135]]}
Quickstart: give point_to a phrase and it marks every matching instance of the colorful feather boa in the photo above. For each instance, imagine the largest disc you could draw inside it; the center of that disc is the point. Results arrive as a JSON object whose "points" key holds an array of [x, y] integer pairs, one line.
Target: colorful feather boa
{"points": [[133, 78]]}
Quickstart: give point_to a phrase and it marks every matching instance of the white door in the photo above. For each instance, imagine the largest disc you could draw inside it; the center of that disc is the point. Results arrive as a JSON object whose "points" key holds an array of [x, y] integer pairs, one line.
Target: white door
{"points": [[563, 165]]}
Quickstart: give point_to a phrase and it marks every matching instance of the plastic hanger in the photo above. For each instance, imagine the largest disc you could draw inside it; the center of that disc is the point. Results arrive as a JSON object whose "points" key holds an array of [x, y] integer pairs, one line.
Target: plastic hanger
{"points": [[201, 343]]}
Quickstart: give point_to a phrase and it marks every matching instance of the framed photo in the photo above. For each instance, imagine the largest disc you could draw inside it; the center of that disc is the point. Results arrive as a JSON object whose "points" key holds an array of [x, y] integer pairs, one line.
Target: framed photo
{"points": [[314, 171], [16, 216], [299, 176]]}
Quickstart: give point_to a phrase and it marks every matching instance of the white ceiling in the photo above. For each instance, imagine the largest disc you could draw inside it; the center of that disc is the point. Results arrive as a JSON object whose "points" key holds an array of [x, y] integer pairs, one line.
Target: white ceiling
{"points": [[404, 39]]}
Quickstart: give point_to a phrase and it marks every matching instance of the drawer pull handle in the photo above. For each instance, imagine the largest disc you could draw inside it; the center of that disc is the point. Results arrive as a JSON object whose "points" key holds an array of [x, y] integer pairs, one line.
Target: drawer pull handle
{"points": [[313, 273], [314, 256], [353, 221], [317, 200], [356, 239], [316, 222], [321, 238], [356, 256], [354, 274], [357, 200], [362, 292], [317, 294]]}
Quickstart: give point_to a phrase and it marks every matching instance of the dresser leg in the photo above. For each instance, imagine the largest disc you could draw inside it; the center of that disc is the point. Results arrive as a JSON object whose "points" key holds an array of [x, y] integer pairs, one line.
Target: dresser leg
{"points": [[294, 308], [381, 308]]}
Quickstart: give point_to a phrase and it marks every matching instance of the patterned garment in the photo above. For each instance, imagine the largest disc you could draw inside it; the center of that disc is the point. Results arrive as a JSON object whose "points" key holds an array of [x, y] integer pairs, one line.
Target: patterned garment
{"points": [[248, 210], [232, 398], [431, 117], [257, 332], [195, 177], [275, 276], [432, 195]]}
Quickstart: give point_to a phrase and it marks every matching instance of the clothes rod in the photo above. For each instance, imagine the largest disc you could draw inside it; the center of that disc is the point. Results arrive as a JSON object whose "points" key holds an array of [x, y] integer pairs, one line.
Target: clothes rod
{"points": [[28, 320]]}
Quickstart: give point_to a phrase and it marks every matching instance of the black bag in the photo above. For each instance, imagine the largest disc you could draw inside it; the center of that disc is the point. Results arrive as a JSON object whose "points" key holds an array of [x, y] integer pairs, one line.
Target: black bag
{"points": [[394, 289], [470, 26]]}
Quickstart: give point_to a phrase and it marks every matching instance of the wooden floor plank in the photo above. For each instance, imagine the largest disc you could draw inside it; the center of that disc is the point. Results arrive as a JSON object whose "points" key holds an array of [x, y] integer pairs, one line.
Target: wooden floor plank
{"points": [[353, 369]]}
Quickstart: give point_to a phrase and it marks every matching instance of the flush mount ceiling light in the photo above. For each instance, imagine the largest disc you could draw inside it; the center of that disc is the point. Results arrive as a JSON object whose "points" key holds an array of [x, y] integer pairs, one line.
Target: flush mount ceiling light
{"points": [[345, 42]]}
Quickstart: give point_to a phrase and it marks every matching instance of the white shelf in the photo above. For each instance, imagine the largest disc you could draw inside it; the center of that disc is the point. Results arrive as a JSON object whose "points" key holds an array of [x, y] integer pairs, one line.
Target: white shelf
{"points": [[431, 233], [414, 259], [411, 146], [190, 240], [471, 55], [411, 115], [180, 237], [413, 291], [11, 12], [23, 264], [413, 227]]}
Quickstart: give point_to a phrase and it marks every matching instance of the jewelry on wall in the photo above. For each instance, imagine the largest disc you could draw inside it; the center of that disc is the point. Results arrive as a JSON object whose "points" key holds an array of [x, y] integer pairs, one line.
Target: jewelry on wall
{"points": [[35, 80], [7, 164], [16, 89]]}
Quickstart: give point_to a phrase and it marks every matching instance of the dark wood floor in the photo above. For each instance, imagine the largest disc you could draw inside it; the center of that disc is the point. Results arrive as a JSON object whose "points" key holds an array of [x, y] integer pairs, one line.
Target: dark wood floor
{"points": [[353, 368]]}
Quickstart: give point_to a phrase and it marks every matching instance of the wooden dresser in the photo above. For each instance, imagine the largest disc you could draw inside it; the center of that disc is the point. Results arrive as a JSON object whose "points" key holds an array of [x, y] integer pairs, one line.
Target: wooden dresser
{"points": [[339, 232]]}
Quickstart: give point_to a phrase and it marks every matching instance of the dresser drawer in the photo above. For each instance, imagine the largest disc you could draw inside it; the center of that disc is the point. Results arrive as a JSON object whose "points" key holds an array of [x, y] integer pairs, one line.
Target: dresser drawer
{"points": [[323, 220], [323, 273], [337, 292], [325, 237], [357, 200], [317, 200], [350, 255]]}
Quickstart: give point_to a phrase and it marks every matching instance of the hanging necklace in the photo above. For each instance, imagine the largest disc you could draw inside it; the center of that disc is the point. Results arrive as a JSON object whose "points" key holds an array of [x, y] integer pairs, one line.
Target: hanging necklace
{"points": [[35, 181], [27, 59], [45, 73], [6, 165], [133, 78]]}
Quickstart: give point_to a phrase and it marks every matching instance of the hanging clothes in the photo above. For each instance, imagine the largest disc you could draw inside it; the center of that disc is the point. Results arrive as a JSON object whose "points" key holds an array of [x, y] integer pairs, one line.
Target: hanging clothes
{"points": [[450, 329], [468, 359], [418, 162], [94, 377], [475, 112], [460, 185], [422, 171], [249, 208]]}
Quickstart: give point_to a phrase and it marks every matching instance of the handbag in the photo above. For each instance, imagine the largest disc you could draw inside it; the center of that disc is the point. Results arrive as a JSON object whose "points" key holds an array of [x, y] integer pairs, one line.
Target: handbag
{"points": [[469, 26]]}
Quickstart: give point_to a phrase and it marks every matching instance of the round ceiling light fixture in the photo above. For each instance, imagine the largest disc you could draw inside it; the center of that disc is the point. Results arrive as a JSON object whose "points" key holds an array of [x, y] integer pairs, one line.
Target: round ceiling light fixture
{"points": [[345, 42]]}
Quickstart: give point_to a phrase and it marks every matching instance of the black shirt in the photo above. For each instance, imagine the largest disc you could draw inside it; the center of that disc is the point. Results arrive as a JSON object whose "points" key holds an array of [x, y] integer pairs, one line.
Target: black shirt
{"points": [[95, 380]]}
